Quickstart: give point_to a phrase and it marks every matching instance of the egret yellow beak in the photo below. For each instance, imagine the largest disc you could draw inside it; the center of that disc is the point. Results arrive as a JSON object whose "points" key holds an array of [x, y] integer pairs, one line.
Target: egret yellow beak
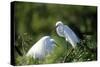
{"points": [[56, 44]]}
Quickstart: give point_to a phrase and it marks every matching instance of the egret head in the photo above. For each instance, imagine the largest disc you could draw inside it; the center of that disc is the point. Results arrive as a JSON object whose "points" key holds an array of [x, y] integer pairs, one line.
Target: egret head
{"points": [[48, 40], [60, 28], [54, 42], [59, 23]]}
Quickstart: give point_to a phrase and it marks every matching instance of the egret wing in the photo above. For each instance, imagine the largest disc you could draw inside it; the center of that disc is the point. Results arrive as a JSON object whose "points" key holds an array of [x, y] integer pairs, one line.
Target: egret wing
{"points": [[70, 35], [48, 46]]}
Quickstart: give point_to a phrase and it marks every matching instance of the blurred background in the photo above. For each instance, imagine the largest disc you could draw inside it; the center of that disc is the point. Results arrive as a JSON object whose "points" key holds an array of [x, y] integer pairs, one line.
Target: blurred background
{"points": [[35, 20]]}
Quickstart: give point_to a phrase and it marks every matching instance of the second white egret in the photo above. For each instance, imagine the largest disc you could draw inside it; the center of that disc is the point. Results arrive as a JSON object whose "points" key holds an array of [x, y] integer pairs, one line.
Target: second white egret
{"points": [[66, 32], [42, 48]]}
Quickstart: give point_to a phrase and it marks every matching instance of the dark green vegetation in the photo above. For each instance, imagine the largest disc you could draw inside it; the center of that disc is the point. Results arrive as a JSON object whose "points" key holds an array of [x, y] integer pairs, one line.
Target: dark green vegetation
{"points": [[35, 20]]}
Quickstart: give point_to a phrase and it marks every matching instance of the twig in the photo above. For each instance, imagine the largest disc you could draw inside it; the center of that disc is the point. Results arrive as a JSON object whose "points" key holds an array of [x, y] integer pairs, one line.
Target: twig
{"points": [[71, 51]]}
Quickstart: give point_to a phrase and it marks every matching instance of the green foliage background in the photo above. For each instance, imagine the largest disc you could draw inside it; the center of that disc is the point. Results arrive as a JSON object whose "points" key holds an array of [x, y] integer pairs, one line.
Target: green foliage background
{"points": [[35, 20]]}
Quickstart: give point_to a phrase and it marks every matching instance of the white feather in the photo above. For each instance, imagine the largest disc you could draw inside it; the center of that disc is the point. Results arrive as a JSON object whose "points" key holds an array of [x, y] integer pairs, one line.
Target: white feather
{"points": [[67, 33], [42, 48]]}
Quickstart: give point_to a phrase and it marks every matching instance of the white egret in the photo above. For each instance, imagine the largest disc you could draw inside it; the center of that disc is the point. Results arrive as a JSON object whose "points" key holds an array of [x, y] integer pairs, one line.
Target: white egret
{"points": [[66, 32], [42, 48]]}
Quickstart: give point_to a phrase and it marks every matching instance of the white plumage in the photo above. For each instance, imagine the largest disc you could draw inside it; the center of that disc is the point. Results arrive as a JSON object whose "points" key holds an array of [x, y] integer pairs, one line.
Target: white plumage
{"points": [[66, 32], [42, 48]]}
